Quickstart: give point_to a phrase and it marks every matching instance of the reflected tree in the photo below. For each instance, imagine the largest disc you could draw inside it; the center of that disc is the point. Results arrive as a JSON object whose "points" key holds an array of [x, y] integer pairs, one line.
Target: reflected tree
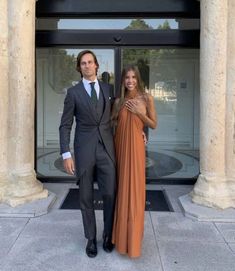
{"points": [[62, 69], [142, 57], [164, 26], [138, 24]]}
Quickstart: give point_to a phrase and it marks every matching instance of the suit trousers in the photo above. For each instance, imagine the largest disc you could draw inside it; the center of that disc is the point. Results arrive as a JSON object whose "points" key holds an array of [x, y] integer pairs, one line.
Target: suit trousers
{"points": [[105, 174]]}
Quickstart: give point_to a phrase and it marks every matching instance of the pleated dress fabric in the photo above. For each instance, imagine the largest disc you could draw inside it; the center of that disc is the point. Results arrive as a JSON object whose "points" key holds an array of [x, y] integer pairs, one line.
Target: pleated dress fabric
{"points": [[128, 226]]}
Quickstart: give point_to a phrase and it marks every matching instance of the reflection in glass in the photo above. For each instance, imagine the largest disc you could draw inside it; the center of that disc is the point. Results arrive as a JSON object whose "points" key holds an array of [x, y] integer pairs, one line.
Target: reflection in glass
{"points": [[56, 72], [171, 76], [116, 24]]}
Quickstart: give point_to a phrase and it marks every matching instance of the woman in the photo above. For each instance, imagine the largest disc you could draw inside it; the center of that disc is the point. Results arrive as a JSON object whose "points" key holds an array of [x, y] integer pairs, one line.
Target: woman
{"points": [[131, 112]]}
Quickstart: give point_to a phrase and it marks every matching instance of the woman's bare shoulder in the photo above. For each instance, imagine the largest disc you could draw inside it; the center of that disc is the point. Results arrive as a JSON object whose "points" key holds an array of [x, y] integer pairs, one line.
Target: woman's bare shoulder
{"points": [[149, 97]]}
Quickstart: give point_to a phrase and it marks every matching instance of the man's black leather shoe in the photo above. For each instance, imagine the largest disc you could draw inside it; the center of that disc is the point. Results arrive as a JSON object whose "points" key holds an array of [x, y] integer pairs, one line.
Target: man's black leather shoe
{"points": [[91, 248], [107, 243]]}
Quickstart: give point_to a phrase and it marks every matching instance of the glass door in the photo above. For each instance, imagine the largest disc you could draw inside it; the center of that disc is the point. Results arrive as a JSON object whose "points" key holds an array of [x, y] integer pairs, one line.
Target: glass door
{"points": [[56, 72], [171, 76]]}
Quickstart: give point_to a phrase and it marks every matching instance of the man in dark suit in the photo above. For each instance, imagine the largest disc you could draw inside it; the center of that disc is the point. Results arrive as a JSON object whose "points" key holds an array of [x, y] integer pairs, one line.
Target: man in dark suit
{"points": [[89, 103]]}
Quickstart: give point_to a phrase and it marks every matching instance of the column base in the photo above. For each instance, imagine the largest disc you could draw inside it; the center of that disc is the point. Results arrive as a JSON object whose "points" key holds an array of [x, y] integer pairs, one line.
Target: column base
{"points": [[31, 209], [23, 188], [217, 192], [16, 201], [3, 184], [205, 214]]}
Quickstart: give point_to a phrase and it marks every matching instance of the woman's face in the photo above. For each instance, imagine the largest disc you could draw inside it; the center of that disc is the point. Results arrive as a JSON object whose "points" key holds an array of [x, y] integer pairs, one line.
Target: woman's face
{"points": [[130, 81]]}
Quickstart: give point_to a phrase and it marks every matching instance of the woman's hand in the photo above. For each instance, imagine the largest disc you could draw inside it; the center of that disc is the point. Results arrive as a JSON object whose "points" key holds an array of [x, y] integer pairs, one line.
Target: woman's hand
{"points": [[135, 107]]}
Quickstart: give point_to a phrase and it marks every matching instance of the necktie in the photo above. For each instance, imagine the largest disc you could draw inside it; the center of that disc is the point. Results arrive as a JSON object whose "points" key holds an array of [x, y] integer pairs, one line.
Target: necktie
{"points": [[93, 93]]}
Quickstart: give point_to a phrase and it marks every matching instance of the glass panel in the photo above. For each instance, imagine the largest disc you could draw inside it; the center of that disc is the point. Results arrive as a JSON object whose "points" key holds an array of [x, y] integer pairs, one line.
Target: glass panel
{"points": [[118, 24], [55, 74], [172, 77]]}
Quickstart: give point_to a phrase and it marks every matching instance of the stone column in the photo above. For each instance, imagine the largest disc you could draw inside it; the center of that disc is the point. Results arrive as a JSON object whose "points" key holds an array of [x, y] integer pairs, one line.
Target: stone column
{"points": [[23, 185], [230, 103], [3, 95], [213, 188]]}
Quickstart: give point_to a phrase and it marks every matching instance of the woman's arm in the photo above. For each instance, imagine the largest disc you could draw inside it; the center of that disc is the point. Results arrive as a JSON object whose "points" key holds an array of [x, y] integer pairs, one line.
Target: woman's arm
{"points": [[114, 109], [114, 114]]}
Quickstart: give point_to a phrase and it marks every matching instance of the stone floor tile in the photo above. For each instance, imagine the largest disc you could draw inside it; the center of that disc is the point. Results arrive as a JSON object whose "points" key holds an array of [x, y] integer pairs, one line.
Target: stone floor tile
{"points": [[12, 226], [34, 252], [175, 226], [232, 247], [6, 243], [58, 223], [227, 230], [196, 256]]}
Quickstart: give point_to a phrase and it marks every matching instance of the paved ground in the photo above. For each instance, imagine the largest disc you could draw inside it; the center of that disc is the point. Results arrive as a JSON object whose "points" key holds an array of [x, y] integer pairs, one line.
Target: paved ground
{"points": [[55, 241]]}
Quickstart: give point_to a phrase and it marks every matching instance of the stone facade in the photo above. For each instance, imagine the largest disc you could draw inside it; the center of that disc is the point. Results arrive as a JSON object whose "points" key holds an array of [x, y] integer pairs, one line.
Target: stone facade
{"points": [[215, 186]]}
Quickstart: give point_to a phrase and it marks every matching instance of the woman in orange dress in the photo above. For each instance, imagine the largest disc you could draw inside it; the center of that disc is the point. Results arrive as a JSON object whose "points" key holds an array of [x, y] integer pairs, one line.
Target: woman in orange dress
{"points": [[131, 112]]}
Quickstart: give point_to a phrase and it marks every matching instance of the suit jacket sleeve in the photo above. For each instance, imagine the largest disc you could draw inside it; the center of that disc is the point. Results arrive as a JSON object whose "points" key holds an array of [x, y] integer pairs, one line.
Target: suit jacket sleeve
{"points": [[66, 122]]}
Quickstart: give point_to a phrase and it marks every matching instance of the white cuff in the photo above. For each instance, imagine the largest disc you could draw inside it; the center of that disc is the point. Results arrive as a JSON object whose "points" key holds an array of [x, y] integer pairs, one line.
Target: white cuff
{"points": [[66, 155]]}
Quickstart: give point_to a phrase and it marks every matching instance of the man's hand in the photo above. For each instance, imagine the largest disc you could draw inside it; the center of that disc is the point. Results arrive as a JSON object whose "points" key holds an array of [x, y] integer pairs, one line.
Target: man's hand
{"points": [[145, 138], [69, 166]]}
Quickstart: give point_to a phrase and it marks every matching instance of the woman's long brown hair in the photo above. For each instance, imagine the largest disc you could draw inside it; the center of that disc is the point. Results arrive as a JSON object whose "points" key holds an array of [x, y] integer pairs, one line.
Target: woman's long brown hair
{"points": [[117, 106]]}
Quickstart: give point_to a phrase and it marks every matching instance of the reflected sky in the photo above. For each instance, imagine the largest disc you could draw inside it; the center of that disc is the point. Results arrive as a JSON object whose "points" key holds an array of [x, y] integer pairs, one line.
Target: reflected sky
{"points": [[110, 23]]}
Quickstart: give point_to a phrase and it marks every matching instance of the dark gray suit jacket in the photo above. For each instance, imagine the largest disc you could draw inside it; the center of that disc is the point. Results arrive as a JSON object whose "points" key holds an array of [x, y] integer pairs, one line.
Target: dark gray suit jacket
{"points": [[89, 129]]}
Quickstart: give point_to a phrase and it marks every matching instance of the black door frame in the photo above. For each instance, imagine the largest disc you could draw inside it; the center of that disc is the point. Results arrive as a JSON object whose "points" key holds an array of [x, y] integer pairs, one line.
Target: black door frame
{"points": [[119, 9], [117, 39]]}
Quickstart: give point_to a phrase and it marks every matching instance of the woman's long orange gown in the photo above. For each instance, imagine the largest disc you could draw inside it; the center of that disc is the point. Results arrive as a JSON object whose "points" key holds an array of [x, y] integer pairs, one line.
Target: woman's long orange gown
{"points": [[130, 204]]}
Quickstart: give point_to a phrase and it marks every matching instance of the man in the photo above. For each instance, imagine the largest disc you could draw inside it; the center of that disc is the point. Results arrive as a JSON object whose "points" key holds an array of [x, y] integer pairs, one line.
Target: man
{"points": [[89, 103]]}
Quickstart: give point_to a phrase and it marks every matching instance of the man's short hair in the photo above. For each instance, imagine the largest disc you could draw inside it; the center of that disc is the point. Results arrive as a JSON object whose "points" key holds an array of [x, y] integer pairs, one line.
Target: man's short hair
{"points": [[79, 57]]}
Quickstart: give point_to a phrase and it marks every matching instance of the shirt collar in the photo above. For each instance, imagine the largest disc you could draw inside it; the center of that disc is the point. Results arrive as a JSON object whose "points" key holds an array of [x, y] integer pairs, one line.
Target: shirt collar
{"points": [[85, 81]]}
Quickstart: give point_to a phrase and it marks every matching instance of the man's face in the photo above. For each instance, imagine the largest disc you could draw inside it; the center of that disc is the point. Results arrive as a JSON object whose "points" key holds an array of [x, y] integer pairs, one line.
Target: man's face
{"points": [[88, 67]]}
